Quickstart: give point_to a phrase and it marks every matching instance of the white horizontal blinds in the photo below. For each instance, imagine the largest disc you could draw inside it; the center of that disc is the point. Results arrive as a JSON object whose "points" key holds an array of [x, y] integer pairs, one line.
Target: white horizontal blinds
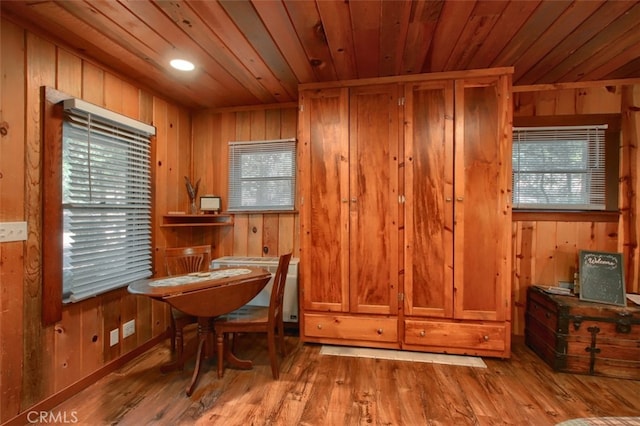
{"points": [[262, 175], [559, 167], [106, 201]]}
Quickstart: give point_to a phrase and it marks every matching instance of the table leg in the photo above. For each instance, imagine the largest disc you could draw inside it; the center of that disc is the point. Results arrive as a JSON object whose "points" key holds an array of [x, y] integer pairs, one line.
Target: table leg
{"points": [[204, 329]]}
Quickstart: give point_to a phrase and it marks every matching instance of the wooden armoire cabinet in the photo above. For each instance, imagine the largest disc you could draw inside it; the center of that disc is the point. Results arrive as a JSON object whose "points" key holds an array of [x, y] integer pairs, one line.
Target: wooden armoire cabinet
{"points": [[406, 213]]}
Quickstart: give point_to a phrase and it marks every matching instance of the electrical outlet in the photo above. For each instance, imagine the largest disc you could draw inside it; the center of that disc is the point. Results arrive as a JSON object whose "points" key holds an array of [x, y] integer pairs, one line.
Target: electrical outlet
{"points": [[128, 328], [13, 231], [113, 337]]}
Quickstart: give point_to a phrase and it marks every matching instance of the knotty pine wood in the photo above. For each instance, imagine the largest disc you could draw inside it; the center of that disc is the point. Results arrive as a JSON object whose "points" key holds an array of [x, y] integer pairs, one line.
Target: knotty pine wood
{"points": [[28, 372], [319, 389], [253, 233], [429, 183], [629, 181], [36, 361]]}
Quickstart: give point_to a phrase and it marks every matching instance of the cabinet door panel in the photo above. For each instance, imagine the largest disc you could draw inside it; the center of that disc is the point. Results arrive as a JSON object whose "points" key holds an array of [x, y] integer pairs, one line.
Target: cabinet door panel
{"points": [[373, 201], [483, 199], [324, 155], [429, 192]]}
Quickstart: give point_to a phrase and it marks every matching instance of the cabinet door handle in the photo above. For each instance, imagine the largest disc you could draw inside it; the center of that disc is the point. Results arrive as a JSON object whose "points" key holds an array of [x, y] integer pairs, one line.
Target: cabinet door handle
{"points": [[460, 199], [354, 199]]}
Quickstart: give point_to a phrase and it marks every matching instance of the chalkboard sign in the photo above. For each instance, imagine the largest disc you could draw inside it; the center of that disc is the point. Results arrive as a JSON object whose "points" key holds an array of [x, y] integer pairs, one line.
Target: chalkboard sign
{"points": [[602, 278]]}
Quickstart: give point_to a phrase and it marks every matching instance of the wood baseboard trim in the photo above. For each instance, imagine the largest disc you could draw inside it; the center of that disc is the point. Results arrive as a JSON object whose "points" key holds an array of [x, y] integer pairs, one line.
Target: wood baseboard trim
{"points": [[57, 398]]}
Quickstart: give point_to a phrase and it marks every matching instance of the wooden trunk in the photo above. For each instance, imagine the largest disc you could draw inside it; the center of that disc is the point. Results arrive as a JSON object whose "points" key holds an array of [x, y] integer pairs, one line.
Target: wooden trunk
{"points": [[584, 337]]}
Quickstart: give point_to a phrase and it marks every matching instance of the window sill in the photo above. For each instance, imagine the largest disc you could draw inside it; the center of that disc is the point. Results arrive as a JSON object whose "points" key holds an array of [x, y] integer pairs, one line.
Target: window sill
{"points": [[564, 216], [263, 211]]}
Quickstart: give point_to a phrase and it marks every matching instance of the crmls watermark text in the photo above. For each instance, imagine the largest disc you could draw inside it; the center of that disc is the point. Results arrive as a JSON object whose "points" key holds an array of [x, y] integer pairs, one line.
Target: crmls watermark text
{"points": [[44, 417]]}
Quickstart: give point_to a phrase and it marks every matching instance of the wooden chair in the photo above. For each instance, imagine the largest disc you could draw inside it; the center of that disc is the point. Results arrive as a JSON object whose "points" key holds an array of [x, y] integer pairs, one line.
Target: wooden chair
{"points": [[184, 260], [257, 319]]}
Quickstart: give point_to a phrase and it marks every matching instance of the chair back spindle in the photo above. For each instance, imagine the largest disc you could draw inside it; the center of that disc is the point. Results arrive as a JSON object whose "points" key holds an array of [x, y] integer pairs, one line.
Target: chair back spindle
{"points": [[183, 260]]}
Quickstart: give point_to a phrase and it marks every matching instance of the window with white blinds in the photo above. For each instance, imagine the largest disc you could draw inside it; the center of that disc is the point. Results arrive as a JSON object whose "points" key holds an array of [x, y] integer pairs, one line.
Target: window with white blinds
{"points": [[262, 175], [559, 167], [106, 201]]}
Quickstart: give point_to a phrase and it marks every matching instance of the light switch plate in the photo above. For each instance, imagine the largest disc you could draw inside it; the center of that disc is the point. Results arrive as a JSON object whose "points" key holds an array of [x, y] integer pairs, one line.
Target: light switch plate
{"points": [[13, 231]]}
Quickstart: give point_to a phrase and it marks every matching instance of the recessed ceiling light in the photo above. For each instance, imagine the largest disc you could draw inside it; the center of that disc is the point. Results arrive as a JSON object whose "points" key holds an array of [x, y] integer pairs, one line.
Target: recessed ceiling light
{"points": [[182, 65]]}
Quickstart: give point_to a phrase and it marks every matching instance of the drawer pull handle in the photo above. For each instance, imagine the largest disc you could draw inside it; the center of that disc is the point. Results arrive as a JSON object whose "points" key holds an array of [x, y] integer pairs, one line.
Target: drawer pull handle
{"points": [[319, 326], [379, 331], [485, 338], [547, 315], [422, 333]]}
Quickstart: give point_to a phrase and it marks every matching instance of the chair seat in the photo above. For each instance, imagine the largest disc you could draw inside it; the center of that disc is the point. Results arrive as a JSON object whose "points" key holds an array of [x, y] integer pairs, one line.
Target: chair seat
{"points": [[247, 314]]}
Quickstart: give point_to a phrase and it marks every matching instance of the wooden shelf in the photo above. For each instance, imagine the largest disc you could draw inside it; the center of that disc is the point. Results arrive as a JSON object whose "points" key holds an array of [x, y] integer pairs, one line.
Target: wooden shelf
{"points": [[177, 220]]}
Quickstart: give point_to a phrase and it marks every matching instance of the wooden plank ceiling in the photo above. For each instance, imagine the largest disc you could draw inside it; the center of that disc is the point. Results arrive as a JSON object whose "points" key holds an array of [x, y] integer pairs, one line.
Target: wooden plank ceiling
{"points": [[251, 52]]}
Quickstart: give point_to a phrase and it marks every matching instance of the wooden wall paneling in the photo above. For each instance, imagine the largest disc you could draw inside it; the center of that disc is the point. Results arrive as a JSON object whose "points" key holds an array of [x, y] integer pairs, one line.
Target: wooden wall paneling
{"points": [[258, 125], [92, 336], [113, 93], [607, 236], [272, 124], [241, 227], [69, 74], [144, 317], [288, 234], [112, 320], [543, 253], [93, 84], [630, 184], [179, 140], [228, 126], [255, 235], [12, 255], [38, 341], [598, 100], [586, 237], [565, 257], [289, 239], [128, 311], [223, 127], [130, 100], [556, 102], [203, 148], [68, 347], [162, 200], [258, 129], [518, 299], [240, 235], [270, 235], [178, 163], [568, 101], [243, 126], [170, 195]]}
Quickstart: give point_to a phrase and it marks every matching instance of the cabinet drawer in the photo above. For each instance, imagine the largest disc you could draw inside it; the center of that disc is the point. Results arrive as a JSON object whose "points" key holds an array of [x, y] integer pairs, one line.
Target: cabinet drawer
{"points": [[374, 329], [455, 335]]}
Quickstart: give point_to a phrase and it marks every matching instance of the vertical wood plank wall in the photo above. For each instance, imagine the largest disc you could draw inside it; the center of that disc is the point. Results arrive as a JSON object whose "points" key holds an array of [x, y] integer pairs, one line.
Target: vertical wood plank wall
{"points": [[545, 252], [256, 235], [36, 361]]}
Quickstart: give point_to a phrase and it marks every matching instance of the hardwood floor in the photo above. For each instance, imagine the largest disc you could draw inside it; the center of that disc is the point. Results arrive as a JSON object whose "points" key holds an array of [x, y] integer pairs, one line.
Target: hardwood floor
{"points": [[317, 389]]}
